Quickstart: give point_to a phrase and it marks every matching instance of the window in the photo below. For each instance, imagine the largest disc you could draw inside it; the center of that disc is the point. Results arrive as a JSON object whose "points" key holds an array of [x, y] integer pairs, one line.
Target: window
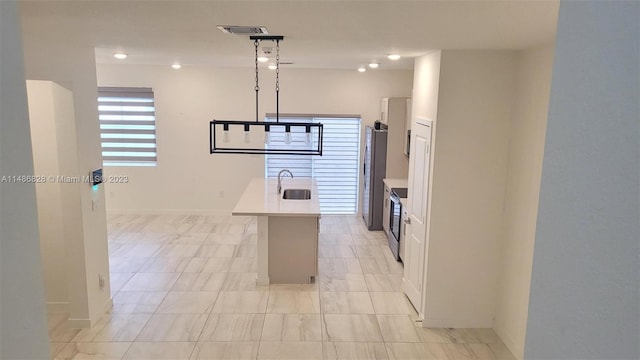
{"points": [[127, 126], [336, 171]]}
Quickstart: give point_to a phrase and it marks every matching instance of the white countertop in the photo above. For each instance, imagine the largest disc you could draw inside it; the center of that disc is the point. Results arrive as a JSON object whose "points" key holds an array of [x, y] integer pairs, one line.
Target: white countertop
{"points": [[396, 183], [261, 198]]}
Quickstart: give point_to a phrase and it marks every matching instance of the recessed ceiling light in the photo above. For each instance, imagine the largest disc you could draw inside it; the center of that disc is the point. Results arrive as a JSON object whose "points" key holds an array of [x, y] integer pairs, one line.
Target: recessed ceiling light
{"points": [[393, 57], [176, 66], [263, 59], [272, 67], [362, 69], [373, 65], [120, 55]]}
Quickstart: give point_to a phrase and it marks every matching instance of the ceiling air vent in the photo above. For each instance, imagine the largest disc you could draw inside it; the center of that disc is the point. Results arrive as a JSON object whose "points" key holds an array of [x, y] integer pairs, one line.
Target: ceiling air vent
{"points": [[243, 30]]}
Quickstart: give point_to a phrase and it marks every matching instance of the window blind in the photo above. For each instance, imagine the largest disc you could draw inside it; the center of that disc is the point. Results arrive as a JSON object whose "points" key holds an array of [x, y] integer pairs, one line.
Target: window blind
{"points": [[127, 126], [336, 171]]}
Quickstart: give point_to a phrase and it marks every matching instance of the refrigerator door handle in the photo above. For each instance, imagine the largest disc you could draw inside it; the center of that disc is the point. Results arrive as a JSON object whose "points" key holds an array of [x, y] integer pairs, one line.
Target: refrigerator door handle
{"points": [[364, 163]]}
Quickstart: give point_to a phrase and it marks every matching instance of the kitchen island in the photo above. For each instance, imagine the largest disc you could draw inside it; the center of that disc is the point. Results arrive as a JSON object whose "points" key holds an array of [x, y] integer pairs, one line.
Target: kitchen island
{"points": [[287, 244]]}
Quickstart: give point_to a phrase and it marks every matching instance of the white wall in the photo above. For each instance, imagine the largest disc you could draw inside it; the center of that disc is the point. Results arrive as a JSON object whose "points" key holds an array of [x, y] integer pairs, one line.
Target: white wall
{"points": [[426, 85], [526, 148], [188, 177], [468, 178], [584, 301], [22, 312], [73, 65], [45, 163]]}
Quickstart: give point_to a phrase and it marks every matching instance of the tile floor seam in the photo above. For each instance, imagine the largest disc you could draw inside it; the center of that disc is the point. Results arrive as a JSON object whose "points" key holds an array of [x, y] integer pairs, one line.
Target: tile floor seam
{"points": [[150, 317], [261, 332], [208, 317], [195, 346], [126, 351]]}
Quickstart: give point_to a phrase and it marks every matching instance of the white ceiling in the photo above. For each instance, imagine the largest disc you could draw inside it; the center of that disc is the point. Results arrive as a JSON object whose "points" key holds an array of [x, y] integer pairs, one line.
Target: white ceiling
{"points": [[318, 33]]}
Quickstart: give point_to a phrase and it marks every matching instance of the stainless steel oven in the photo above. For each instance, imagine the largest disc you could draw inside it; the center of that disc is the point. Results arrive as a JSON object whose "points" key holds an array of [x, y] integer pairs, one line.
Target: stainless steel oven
{"points": [[395, 220]]}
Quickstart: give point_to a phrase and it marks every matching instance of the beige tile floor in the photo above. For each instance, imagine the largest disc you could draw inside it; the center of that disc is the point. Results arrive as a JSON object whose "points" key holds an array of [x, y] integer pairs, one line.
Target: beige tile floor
{"points": [[184, 287]]}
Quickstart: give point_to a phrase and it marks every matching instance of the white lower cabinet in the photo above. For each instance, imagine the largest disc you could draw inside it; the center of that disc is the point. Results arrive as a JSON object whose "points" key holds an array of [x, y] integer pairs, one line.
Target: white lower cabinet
{"points": [[293, 249]]}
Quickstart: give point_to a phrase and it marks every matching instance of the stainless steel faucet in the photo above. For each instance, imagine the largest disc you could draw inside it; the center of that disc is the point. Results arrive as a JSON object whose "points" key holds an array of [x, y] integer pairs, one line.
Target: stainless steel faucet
{"points": [[283, 171]]}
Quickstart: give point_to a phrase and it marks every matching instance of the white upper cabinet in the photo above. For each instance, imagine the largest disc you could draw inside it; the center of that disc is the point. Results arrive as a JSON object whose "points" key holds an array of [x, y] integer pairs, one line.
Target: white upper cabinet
{"points": [[384, 111]]}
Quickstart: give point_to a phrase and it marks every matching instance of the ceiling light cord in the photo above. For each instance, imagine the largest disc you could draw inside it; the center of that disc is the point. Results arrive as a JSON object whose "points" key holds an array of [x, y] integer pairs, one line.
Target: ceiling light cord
{"points": [[257, 88], [277, 80], [265, 124]]}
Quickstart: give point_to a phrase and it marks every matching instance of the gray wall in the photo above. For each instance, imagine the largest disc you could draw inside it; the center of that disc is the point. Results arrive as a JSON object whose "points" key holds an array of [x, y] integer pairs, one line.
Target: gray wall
{"points": [[584, 301], [22, 312]]}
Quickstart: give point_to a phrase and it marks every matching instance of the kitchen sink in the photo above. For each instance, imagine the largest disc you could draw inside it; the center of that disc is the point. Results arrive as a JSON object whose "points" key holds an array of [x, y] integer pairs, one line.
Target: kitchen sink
{"points": [[296, 194]]}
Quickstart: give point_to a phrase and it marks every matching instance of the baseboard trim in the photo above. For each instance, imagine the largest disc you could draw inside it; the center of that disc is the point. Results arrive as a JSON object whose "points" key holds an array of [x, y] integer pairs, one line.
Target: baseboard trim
{"points": [[105, 308], [89, 323], [454, 323], [57, 307], [167, 212], [79, 323], [516, 350]]}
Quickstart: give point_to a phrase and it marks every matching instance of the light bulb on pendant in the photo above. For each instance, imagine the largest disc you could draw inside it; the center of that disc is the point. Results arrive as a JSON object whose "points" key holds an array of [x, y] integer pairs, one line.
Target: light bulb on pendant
{"points": [[287, 135], [267, 134], [307, 139], [225, 133], [246, 134]]}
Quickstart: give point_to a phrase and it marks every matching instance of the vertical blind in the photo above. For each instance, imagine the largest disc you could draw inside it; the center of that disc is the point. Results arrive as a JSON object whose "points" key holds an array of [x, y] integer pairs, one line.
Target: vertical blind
{"points": [[336, 171], [127, 126]]}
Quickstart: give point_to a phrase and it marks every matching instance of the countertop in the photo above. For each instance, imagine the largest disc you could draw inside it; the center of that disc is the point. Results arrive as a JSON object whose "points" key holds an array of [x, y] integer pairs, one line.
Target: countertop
{"points": [[261, 198], [396, 183]]}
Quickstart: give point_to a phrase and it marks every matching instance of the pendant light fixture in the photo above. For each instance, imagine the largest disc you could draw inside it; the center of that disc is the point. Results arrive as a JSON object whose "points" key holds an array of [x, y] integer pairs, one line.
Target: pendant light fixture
{"points": [[220, 131]]}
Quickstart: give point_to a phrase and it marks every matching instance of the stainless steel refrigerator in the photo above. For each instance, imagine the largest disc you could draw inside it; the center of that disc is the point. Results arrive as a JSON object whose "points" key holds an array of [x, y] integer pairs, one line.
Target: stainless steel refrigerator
{"points": [[374, 170]]}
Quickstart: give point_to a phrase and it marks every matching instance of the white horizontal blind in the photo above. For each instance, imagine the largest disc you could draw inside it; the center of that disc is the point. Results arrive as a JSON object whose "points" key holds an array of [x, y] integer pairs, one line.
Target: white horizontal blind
{"points": [[300, 165], [336, 171], [127, 126]]}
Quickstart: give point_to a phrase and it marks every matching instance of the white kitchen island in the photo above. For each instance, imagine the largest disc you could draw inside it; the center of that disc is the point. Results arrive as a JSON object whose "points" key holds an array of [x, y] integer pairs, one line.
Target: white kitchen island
{"points": [[287, 230]]}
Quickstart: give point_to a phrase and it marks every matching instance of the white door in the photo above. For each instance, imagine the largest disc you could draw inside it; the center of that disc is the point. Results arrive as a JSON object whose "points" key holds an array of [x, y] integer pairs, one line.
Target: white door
{"points": [[415, 252]]}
